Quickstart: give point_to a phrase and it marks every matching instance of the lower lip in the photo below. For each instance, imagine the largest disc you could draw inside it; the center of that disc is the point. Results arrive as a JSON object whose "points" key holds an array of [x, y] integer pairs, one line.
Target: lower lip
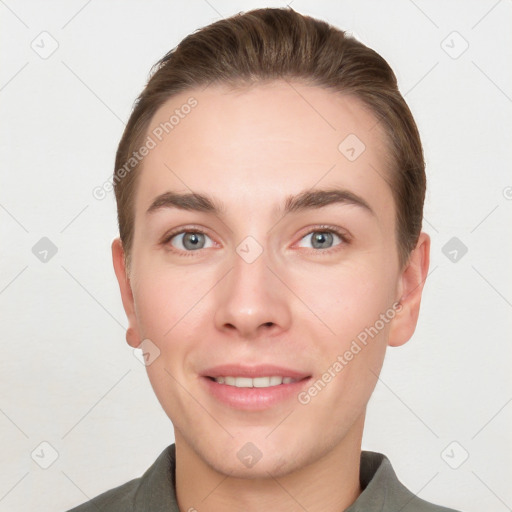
{"points": [[254, 399]]}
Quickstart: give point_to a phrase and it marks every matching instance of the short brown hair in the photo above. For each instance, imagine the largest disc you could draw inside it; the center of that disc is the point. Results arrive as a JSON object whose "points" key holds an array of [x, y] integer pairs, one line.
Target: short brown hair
{"points": [[272, 44]]}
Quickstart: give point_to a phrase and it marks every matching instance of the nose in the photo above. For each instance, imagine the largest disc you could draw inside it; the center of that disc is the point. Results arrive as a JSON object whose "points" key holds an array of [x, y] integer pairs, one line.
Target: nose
{"points": [[252, 301]]}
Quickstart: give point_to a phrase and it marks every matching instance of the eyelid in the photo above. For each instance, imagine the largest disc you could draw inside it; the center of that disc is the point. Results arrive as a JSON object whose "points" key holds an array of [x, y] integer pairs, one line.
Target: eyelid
{"points": [[183, 229], [342, 233]]}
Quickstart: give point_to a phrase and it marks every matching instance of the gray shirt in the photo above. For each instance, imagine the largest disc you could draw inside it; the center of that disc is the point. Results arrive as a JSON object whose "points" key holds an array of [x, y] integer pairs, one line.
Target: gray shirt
{"points": [[154, 491]]}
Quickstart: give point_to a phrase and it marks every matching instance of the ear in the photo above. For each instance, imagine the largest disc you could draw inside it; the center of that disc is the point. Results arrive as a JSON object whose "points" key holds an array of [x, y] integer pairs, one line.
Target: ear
{"points": [[132, 334], [411, 284]]}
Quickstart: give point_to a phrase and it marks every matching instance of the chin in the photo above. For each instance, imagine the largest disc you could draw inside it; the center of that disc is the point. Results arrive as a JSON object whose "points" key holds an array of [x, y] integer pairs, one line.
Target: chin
{"points": [[275, 465]]}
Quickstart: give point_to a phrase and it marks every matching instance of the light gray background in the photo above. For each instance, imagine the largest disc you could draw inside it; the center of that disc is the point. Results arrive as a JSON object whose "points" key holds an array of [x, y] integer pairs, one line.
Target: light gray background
{"points": [[69, 379]]}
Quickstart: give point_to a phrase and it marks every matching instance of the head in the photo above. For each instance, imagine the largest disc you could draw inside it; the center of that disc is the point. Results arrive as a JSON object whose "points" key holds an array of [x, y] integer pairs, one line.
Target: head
{"points": [[273, 218]]}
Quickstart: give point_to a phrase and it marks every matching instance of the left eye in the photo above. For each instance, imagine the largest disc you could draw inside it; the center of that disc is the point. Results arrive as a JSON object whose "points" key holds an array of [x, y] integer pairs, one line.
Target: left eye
{"points": [[322, 239], [190, 240]]}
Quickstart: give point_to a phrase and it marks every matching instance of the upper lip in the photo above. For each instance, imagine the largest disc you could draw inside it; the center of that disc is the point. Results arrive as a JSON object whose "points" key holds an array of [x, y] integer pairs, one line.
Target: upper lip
{"points": [[265, 370]]}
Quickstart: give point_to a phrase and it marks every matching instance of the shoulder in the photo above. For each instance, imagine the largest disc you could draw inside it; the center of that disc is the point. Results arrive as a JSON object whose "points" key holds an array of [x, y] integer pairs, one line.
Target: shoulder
{"points": [[419, 505], [154, 490], [119, 498], [382, 486]]}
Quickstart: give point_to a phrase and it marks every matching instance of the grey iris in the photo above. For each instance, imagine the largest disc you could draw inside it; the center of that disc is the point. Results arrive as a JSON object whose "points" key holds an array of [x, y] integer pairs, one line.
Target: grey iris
{"points": [[320, 238]]}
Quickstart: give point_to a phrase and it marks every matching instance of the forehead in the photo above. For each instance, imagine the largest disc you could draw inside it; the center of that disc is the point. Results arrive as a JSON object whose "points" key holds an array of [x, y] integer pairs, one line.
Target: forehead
{"points": [[261, 143]]}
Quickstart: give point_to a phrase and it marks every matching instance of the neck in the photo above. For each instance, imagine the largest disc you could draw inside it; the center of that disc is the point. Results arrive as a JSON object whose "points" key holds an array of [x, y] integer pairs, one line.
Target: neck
{"points": [[329, 484]]}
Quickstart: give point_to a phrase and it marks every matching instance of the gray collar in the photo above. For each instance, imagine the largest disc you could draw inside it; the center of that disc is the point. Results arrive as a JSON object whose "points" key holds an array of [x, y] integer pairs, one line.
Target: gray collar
{"points": [[382, 491]]}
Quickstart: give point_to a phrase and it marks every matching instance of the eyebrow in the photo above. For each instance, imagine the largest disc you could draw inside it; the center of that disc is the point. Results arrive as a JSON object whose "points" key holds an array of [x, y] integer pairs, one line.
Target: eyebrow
{"points": [[311, 199]]}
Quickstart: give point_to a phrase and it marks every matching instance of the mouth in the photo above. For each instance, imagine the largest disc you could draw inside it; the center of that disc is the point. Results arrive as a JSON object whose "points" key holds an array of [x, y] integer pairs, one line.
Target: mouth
{"points": [[257, 382], [253, 388]]}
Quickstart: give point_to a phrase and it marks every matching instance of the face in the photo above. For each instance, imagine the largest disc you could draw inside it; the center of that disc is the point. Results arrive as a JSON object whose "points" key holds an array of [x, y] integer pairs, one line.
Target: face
{"points": [[286, 268]]}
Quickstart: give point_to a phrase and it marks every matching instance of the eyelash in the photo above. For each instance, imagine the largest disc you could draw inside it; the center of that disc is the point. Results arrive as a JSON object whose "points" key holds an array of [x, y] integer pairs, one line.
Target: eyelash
{"points": [[344, 237]]}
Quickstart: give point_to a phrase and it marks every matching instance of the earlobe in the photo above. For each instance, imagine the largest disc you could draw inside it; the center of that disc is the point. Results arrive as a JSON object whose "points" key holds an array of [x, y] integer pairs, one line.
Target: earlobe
{"points": [[118, 259], [412, 280]]}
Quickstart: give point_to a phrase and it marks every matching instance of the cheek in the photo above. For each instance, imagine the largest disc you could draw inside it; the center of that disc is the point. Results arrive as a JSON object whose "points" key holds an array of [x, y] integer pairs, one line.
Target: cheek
{"points": [[165, 298], [346, 298], [350, 357], [172, 311], [166, 302], [154, 309]]}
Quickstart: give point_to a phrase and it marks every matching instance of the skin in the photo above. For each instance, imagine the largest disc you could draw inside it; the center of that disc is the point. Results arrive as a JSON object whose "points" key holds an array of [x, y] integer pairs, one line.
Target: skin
{"points": [[296, 305]]}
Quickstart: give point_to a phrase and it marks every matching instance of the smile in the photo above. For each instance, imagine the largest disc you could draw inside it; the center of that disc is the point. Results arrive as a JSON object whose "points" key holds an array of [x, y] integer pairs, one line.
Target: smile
{"points": [[257, 382]]}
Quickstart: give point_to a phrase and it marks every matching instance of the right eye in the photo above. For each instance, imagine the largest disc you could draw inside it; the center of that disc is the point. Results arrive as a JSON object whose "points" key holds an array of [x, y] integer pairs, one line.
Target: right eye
{"points": [[188, 240]]}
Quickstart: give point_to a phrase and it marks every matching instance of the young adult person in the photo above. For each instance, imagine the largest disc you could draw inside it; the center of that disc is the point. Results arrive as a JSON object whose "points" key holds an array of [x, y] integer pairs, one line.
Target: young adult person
{"points": [[270, 186]]}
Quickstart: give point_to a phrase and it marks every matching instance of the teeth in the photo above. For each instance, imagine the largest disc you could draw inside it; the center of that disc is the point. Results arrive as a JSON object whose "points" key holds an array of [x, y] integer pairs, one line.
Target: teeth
{"points": [[243, 382], [257, 382]]}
